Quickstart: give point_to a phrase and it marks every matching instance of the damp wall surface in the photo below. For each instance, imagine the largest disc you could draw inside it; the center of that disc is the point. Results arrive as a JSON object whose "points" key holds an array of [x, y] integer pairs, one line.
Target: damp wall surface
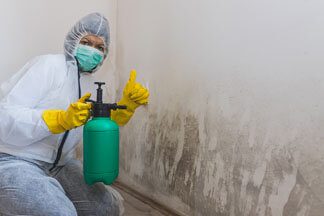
{"points": [[235, 124]]}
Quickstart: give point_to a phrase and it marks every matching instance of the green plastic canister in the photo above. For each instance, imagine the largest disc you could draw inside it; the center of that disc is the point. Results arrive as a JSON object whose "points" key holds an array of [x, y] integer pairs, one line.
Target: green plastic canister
{"points": [[101, 143]]}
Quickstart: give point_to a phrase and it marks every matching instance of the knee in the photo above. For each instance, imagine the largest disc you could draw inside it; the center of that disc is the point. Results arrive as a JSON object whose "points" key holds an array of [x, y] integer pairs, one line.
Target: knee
{"points": [[105, 201], [37, 197], [116, 204]]}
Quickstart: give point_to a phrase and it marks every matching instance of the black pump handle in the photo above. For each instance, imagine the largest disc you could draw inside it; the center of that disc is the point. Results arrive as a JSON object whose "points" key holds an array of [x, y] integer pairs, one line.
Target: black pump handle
{"points": [[100, 84]]}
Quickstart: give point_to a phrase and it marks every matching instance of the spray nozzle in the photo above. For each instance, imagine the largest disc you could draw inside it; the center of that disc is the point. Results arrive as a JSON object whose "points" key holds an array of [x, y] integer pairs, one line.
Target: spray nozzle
{"points": [[89, 100], [114, 106]]}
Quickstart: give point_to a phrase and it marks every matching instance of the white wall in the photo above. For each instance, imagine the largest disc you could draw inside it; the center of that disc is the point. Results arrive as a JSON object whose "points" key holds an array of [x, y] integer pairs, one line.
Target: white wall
{"points": [[236, 116], [35, 27]]}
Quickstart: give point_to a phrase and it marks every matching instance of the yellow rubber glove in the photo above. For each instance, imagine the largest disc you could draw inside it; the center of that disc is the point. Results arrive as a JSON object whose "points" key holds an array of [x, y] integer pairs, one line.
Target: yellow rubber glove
{"points": [[134, 95], [76, 115]]}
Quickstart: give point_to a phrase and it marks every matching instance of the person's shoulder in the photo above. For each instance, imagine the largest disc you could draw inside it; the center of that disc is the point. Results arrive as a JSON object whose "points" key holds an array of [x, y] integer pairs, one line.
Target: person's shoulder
{"points": [[51, 59], [50, 67], [52, 63]]}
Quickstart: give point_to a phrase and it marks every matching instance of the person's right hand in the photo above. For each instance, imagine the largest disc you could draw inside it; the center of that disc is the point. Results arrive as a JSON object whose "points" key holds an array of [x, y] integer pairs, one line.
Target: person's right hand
{"points": [[76, 115]]}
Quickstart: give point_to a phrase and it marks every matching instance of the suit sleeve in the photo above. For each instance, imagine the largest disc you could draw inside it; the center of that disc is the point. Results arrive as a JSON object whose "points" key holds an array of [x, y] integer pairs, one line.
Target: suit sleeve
{"points": [[21, 123]]}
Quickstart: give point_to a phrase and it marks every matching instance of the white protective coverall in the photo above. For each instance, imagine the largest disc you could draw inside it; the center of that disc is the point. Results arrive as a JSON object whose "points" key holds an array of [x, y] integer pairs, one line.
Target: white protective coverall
{"points": [[46, 82]]}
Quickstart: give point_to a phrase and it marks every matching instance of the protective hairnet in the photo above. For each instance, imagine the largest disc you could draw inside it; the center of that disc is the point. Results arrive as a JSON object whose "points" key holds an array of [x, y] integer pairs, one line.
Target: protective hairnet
{"points": [[92, 24]]}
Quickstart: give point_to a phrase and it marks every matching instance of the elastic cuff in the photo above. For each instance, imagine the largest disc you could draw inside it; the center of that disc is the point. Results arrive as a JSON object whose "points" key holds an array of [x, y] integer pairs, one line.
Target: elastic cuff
{"points": [[50, 117]]}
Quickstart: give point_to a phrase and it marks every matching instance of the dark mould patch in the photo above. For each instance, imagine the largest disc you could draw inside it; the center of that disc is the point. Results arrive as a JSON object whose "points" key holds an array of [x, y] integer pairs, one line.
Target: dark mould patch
{"points": [[183, 179], [169, 135], [303, 200]]}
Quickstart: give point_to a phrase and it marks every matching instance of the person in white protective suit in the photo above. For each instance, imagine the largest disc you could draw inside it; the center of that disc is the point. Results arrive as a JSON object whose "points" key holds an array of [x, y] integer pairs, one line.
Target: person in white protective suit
{"points": [[42, 109]]}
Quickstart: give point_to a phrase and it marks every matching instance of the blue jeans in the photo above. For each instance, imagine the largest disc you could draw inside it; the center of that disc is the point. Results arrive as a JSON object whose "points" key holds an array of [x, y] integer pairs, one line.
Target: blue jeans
{"points": [[28, 188]]}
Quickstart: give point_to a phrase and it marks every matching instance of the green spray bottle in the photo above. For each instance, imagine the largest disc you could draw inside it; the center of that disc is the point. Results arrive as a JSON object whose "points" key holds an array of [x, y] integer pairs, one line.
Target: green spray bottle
{"points": [[101, 143]]}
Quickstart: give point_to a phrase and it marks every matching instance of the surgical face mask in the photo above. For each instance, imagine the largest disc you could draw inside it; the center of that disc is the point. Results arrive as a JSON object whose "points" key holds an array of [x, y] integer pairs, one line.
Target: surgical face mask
{"points": [[88, 57]]}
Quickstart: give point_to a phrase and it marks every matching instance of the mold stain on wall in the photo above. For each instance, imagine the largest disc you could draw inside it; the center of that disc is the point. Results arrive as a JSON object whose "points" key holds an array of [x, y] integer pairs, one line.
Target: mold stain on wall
{"points": [[212, 167]]}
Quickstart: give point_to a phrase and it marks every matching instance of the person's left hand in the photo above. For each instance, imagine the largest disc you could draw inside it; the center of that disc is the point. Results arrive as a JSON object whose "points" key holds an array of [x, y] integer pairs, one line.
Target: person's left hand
{"points": [[134, 95]]}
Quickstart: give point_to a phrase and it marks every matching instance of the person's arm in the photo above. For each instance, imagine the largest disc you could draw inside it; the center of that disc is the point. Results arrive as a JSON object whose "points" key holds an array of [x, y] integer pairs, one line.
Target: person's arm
{"points": [[21, 123], [59, 121]]}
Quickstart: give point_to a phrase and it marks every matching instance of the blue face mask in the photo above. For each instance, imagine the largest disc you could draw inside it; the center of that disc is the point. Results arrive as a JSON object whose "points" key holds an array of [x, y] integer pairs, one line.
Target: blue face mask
{"points": [[88, 57]]}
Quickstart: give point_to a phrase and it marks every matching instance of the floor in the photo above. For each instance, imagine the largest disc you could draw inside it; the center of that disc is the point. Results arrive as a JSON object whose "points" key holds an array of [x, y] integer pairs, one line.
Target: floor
{"points": [[135, 206]]}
